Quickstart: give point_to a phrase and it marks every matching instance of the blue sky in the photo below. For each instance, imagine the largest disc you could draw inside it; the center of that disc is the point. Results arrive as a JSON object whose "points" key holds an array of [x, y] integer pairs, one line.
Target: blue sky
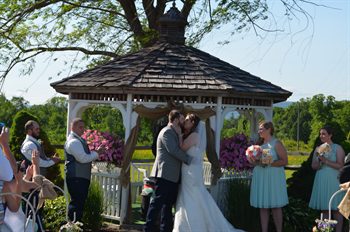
{"points": [[309, 62]]}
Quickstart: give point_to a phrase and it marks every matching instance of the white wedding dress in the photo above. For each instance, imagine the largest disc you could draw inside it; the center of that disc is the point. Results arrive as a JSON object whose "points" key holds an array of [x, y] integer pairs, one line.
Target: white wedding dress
{"points": [[196, 210]]}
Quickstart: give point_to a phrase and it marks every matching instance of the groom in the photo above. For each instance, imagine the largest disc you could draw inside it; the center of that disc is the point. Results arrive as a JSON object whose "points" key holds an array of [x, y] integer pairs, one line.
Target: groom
{"points": [[167, 171]]}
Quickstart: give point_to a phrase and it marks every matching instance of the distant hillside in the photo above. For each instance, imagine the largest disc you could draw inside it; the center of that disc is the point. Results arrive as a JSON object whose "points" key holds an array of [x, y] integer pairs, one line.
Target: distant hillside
{"points": [[284, 104]]}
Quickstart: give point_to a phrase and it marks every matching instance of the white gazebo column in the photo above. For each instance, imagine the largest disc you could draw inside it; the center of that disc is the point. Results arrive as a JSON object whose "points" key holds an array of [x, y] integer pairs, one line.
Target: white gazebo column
{"points": [[125, 190], [75, 109], [253, 125], [218, 125]]}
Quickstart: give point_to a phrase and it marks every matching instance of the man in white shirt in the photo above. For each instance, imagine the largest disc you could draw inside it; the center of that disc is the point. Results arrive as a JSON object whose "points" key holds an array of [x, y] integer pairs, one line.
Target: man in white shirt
{"points": [[77, 169], [31, 143]]}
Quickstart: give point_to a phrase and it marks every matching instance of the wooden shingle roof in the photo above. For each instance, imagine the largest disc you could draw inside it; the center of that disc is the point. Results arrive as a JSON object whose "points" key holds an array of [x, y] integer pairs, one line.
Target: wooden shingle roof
{"points": [[171, 69]]}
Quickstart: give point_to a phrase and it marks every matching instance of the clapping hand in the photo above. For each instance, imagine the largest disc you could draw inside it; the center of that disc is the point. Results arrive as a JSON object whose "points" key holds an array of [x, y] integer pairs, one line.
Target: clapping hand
{"points": [[345, 185], [29, 173], [35, 157], [4, 136]]}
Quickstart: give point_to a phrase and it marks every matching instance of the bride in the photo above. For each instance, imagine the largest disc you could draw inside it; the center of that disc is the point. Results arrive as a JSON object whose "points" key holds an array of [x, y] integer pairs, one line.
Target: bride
{"points": [[196, 210]]}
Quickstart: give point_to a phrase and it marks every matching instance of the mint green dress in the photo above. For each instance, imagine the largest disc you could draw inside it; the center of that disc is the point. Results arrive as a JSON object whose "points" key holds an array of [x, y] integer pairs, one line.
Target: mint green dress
{"points": [[326, 183], [268, 188]]}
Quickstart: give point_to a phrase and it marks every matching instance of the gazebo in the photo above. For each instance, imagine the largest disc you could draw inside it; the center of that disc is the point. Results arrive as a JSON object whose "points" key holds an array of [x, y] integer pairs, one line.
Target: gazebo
{"points": [[166, 75]]}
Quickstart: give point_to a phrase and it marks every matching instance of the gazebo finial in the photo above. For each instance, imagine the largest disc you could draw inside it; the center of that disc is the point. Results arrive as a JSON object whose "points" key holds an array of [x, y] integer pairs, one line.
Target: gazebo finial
{"points": [[172, 26]]}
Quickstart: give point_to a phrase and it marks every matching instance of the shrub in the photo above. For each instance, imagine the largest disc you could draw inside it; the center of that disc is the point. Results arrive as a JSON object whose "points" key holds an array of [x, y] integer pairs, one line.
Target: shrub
{"points": [[93, 208], [55, 213], [239, 212], [17, 137], [297, 216]]}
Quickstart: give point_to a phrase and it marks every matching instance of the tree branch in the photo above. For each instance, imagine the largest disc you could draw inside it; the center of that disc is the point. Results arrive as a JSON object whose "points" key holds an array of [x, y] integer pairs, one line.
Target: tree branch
{"points": [[14, 62], [21, 15], [150, 12], [103, 23], [81, 49], [255, 25], [187, 7], [132, 17], [96, 8], [154, 13]]}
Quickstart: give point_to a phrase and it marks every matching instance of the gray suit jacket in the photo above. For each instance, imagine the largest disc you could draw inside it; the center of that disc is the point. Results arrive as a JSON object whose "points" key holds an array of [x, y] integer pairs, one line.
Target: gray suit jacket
{"points": [[169, 156]]}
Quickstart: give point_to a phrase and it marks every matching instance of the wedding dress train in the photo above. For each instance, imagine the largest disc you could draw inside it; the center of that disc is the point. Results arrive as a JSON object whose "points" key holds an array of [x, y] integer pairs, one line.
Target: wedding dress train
{"points": [[196, 210]]}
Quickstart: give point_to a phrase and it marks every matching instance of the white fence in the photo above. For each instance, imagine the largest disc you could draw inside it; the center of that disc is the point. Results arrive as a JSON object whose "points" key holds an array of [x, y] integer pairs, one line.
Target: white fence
{"points": [[108, 178]]}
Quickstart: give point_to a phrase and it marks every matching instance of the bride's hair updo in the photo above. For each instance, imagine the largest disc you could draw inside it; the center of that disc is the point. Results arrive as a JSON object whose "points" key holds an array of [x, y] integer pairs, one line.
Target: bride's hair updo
{"points": [[195, 121]]}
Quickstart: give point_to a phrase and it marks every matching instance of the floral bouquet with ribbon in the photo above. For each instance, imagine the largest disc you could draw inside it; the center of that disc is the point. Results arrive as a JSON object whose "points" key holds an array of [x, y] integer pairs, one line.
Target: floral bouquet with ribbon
{"points": [[111, 146], [254, 152], [266, 158], [323, 150]]}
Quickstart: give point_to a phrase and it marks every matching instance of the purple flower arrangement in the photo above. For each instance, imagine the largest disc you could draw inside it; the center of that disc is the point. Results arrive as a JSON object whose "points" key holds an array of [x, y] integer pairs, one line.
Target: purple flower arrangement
{"points": [[233, 153], [325, 225], [111, 146]]}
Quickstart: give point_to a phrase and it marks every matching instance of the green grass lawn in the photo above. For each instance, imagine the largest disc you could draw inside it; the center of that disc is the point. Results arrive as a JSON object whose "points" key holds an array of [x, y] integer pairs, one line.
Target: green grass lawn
{"points": [[143, 155], [295, 160]]}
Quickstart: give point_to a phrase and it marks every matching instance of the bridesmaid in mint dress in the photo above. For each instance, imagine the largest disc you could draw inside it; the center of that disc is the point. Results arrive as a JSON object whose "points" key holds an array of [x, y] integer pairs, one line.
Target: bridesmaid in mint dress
{"points": [[268, 188], [326, 179]]}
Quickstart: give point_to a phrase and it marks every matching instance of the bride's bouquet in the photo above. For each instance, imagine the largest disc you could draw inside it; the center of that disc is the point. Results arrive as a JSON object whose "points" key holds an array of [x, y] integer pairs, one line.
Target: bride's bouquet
{"points": [[111, 146], [323, 150], [254, 152]]}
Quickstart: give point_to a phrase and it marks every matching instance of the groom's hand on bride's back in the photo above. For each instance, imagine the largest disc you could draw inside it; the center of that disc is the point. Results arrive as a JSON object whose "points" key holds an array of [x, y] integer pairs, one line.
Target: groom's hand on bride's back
{"points": [[189, 160]]}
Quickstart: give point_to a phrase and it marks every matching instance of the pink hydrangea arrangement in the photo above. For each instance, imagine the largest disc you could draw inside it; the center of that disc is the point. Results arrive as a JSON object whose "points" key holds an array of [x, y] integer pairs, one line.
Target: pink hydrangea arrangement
{"points": [[233, 153], [112, 146]]}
